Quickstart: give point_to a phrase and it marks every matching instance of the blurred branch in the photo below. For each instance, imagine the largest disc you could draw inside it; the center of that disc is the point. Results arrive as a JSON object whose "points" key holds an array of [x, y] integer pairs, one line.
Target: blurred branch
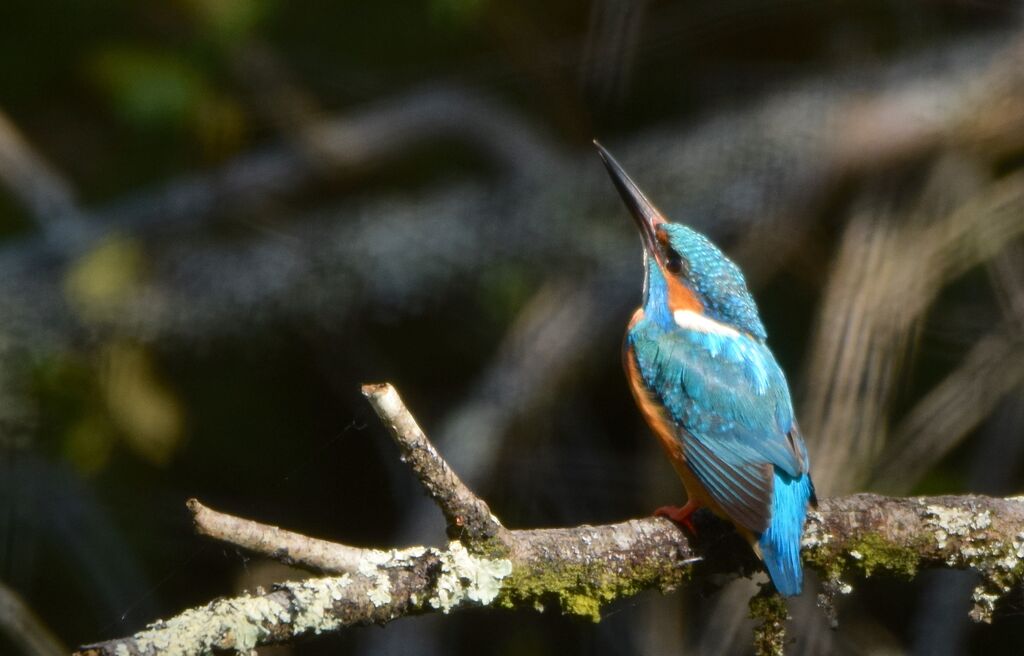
{"points": [[873, 304], [855, 352], [550, 334], [365, 139], [45, 505], [24, 628], [1008, 282], [741, 169], [993, 368], [37, 185], [582, 568]]}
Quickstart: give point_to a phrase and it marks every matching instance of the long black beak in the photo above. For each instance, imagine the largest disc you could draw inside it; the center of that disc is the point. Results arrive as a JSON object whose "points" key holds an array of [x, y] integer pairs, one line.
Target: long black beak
{"points": [[644, 212]]}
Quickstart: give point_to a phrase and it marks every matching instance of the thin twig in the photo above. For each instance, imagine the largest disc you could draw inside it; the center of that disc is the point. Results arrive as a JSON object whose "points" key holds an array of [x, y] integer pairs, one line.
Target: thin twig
{"points": [[468, 516], [286, 546]]}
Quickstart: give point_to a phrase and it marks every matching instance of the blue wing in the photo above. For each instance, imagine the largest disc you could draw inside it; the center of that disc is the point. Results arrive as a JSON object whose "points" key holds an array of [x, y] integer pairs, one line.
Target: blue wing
{"points": [[730, 403]]}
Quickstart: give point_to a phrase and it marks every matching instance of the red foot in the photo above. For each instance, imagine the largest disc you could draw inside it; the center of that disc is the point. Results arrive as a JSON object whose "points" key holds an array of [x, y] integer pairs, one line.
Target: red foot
{"points": [[680, 514]]}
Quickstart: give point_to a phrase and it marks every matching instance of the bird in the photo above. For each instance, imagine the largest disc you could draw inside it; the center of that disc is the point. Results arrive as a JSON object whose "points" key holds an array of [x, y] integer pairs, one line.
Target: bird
{"points": [[705, 381]]}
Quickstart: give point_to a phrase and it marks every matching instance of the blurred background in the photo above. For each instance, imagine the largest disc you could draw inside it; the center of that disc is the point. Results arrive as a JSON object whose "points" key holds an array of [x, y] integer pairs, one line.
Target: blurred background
{"points": [[219, 217]]}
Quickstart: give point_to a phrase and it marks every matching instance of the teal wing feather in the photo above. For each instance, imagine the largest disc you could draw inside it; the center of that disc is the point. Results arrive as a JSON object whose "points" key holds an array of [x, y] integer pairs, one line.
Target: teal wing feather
{"points": [[731, 407]]}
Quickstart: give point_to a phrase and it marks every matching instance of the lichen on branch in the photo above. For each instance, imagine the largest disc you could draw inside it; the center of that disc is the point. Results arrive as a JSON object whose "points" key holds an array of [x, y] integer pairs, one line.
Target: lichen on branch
{"points": [[578, 570]]}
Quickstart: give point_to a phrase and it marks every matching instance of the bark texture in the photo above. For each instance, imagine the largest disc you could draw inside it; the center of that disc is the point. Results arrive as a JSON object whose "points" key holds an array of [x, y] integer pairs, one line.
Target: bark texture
{"points": [[576, 570]]}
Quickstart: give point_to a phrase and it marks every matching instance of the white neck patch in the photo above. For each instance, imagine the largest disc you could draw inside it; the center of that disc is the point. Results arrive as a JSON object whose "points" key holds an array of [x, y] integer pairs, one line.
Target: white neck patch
{"points": [[691, 320]]}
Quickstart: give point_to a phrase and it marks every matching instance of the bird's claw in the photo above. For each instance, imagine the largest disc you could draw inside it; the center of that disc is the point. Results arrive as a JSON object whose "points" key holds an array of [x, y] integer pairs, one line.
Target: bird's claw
{"points": [[679, 514]]}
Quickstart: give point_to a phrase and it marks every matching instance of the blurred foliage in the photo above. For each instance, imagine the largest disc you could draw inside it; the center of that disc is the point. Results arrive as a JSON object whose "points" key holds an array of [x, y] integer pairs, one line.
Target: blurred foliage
{"points": [[148, 89], [103, 278], [226, 22], [140, 404]]}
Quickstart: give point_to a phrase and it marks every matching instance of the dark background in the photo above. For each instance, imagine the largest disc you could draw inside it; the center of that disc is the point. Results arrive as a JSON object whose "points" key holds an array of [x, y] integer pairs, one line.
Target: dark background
{"points": [[219, 217]]}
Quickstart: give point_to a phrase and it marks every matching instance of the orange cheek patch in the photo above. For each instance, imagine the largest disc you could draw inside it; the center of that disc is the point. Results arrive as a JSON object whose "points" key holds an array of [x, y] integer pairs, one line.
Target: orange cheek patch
{"points": [[681, 297]]}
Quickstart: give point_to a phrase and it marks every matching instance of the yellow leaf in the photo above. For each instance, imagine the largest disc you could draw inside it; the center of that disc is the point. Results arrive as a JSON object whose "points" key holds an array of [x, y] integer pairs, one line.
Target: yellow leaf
{"points": [[101, 280], [140, 404]]}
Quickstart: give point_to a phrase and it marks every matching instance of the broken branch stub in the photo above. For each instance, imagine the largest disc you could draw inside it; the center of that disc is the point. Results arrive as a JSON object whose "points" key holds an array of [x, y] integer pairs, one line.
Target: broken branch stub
{"points": [[469, 518]]}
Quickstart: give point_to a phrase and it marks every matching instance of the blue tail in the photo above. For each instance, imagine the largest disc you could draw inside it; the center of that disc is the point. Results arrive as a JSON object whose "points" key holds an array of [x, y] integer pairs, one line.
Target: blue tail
{"points": [[780, 544]]}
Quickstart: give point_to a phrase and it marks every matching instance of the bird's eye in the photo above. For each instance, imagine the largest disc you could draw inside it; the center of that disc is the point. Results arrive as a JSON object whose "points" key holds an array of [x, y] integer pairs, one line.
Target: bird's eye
{"points": [[673, 263]]}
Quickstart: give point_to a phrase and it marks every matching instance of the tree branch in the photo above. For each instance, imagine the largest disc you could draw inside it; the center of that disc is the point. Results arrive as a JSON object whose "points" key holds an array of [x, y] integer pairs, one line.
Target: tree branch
{"points": [[468, 516], [285, 546], [577, 569]]}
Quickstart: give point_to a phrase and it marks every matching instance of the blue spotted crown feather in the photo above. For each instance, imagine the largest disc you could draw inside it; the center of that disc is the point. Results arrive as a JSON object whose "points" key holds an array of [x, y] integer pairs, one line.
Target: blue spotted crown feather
{"points": [[718, 281]]}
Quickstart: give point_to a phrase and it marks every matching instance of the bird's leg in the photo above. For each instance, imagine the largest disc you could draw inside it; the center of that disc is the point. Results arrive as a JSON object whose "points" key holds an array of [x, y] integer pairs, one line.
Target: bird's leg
{"points": [[680, 514]]}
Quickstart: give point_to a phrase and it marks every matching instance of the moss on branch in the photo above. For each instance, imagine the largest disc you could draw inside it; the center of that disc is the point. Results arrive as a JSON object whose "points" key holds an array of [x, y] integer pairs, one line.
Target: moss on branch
{"points": [[578, 569]]}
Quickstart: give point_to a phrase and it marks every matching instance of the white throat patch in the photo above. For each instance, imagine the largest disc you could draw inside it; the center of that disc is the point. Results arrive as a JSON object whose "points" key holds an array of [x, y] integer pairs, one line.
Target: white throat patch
{"points": [[691, 320]]}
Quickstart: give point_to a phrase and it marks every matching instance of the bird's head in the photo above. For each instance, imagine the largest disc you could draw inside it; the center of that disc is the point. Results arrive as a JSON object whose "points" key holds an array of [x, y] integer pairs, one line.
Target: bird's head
{"points": [[685, 275]]}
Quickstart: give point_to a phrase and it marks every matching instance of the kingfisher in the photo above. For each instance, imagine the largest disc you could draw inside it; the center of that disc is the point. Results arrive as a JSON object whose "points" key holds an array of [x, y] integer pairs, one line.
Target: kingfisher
{"points": [[700, 370]]}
